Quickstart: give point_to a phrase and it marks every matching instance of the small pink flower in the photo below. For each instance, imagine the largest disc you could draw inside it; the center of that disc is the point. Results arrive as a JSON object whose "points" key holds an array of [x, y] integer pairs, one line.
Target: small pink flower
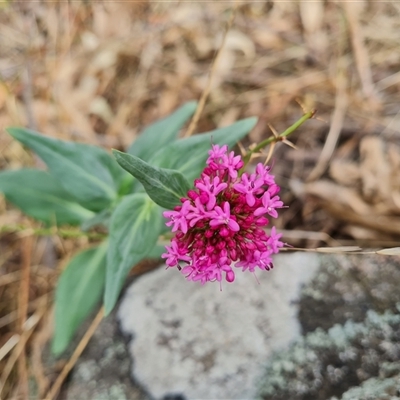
{"points": [[263, 173], [197, 213], [212, 189], [270, 205], [223, 217], [216, 153], [174, 254], [249, 186], [215, 271], [273, 241], [178, 218], [232, 163]]}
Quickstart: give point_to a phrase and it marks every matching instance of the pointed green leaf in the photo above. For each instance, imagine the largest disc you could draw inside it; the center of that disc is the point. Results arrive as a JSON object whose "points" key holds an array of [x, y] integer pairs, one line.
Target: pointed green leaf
{"points": [[78, 291], [161, 132], [40, 196], [165, 187], [156, 251], [100, 219], [134, 230], [87, 172], [189, 155]]}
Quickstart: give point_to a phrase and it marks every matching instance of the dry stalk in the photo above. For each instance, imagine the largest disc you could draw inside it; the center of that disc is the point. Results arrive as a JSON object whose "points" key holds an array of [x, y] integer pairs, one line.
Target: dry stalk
{"points": [[13, 315], [339, 114], [52, 393], [23, 339], [206, 92], [360, 52], [38, 344], [23, 310]]}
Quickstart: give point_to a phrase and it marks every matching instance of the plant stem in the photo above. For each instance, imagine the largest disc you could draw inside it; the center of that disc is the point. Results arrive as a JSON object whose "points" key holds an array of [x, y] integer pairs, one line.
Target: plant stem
{"points": [[281, 136], [64, 233]]}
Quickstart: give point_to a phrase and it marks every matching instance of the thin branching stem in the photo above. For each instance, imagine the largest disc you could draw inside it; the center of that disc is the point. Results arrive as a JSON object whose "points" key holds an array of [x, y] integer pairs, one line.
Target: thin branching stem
{"points": [[280, 137], [64, 233]]}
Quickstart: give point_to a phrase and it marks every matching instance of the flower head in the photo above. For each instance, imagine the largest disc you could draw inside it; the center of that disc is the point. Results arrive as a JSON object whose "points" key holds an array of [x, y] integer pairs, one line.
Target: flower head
{"points": [[219, 224]]}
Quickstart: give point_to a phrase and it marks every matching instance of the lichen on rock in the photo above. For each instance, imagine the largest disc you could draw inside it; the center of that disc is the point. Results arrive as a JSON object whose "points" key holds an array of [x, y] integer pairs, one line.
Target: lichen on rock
{"points": [[322, 364], [346, 287], [375, 389]]}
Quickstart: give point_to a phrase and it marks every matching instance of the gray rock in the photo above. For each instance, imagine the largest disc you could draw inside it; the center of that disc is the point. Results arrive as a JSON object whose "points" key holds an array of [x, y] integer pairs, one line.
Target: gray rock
{"points": [[210, 344], [350, 360], [346, 287], [323, 365]]}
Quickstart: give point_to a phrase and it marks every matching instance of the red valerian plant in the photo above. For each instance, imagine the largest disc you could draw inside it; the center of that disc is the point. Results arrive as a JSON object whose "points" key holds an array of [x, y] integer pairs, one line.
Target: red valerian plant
{"points": [[218, 223], [221, 221]]}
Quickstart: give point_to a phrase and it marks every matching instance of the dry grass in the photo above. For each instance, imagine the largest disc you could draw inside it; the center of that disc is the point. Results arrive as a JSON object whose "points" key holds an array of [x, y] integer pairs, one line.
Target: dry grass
{"points": [[98, 72]]}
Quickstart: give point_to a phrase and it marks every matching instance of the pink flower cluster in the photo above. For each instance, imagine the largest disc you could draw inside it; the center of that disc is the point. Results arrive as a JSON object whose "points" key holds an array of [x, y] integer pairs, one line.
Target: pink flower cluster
{"points": [[220, 223]]}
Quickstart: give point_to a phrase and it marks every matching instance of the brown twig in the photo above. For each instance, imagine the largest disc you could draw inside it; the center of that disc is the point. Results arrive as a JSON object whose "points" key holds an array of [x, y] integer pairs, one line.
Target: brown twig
{"points": [[27, 94], [206, 92], [23, 311], [28, 329], [360, 51], [52, 393], [38, 343], [13, 315], [336, 125], [394, 251]]}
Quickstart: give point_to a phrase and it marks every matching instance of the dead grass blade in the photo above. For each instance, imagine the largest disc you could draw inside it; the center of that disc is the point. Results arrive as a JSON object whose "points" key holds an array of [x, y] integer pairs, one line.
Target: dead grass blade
{"points": [[39, 342], [352, 10], [52, 393], [206, 91], [9, 345], [27, 241], [394, 251], [339, 249], [338, 116], [29, 326]]}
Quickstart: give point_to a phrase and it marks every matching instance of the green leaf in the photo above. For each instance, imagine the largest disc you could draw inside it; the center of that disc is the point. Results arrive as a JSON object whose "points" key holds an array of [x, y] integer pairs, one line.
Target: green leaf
{"points": [[100, 219], [165, 187], [134, 230], [87, 172], [78, 291], [189, 155], [40, 196], [156, 251], [161, 132]]}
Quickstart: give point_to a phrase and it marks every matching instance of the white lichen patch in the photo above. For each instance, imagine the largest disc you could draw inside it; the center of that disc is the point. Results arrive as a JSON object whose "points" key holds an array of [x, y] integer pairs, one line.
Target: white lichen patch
{"points": [[211, 344]]}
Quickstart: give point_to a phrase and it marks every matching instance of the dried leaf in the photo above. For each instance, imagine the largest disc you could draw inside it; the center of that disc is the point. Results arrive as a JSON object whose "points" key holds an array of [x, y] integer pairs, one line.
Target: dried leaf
{"points": [[312, 15], [374, 170], [346, 173], [344, 196], [238, 41]]}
